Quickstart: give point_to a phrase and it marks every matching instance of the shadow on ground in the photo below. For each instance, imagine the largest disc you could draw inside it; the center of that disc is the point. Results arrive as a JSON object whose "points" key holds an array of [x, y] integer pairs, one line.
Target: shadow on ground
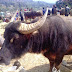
{"points": [[41, 68], [45, 68]]}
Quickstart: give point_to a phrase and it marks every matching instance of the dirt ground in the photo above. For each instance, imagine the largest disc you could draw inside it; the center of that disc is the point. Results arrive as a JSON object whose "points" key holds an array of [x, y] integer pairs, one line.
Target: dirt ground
{"points": [[36, 62]]}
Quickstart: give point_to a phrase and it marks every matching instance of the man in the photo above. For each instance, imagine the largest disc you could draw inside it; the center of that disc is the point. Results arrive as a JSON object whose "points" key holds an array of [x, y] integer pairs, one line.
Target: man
{"points": [[21, 15], [67, 10], [44, 11], [71, 11], [17, 16], [54, 11]]}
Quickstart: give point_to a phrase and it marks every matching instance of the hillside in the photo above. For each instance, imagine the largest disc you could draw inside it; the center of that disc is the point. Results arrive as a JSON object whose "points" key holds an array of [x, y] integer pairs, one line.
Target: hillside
{"points": [[11, 5]]}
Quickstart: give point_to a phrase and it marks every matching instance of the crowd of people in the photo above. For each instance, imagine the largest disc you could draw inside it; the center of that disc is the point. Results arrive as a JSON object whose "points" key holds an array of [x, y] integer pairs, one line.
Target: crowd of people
{"points": [[53, 11], [66, 11]]}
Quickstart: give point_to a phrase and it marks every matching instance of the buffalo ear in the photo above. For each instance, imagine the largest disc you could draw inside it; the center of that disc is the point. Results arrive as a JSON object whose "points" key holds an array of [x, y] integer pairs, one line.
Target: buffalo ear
{"points": [[35, 32]]}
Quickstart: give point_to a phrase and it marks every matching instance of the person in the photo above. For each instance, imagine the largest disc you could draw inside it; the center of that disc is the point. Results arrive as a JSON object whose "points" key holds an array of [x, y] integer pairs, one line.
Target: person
{"points": [[17, 16], [54, 11], [44, 11], [27, 9], [71, 11], [0, 18], [49, 11], [21, 15], [67, 10], [31, 9]]}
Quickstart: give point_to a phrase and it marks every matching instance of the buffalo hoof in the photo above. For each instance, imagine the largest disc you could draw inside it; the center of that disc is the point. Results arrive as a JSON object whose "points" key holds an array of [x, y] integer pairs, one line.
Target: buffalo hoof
{"points": [[55, 70]]}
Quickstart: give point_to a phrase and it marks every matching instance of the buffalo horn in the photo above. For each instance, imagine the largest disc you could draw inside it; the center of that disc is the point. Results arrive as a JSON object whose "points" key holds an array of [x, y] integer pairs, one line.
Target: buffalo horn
{"points": [[29, 28]]}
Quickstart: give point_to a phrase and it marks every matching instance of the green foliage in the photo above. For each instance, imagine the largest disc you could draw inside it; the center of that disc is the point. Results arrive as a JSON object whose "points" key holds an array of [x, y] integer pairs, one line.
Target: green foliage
{"points": [[61, 3]]}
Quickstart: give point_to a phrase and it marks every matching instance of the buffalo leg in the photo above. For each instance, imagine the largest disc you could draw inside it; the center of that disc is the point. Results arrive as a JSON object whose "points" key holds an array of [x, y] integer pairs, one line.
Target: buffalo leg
{"points": [[51, 65], [51, 60], [58, 61]]}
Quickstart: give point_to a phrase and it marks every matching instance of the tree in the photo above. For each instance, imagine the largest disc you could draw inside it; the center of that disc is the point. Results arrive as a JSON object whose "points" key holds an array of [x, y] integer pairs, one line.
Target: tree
{"points": [[62, 3], [59, 4]]}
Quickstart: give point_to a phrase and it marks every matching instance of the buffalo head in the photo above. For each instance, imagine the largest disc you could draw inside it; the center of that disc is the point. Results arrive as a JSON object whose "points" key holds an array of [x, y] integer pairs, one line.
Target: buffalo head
{"points": [[17, 36]]}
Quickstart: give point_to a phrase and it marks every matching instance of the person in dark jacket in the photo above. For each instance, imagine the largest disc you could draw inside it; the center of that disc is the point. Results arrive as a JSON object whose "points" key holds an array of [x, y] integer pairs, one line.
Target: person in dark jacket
{"points": [[54, 12], [49, 12], [21, 15], [44, 11], [67, 10]]}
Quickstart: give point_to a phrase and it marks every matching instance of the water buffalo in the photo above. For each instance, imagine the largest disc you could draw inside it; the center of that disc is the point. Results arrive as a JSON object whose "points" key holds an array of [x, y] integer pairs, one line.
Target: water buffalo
{"points": [[33, 21], [32, 15], [50, 35], [62, 11]]}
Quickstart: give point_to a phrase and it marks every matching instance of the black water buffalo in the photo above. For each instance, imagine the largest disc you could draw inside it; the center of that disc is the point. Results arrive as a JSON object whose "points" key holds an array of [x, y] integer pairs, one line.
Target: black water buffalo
{"points": [[32, 14], [62, 12], [34, 20], [50, 35]]}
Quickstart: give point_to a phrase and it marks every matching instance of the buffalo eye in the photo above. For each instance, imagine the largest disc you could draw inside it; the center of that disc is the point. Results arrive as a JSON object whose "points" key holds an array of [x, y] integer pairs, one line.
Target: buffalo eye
{"points": [[16, 36]]}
